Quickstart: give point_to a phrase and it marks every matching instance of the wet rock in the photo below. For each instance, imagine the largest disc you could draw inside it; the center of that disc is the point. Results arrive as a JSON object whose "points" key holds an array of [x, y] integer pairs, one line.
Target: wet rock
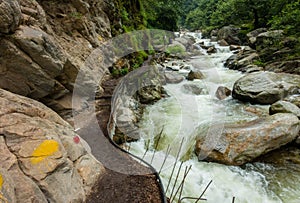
{"points": [[173, 78], [243, 143], [195, 75], [10, 16], [222, 92], [192, 89], [284, 107], [211, 50], [41, 153], [265, 87]]}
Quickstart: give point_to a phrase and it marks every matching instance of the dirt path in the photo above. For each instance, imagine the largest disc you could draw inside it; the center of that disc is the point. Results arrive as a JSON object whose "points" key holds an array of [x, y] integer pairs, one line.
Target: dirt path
{"points": [[126, 179]]}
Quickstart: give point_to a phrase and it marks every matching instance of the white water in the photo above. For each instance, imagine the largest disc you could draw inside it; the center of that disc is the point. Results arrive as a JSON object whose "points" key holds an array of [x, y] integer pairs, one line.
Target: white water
{"points": [[182, 117]]}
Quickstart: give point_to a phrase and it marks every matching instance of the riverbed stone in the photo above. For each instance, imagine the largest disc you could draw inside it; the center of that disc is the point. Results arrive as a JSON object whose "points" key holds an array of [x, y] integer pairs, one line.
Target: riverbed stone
{"points": [[173, 78], [223, 92], [192, 89], [265, 87], [284, 107], [242, 143], [195, 75]]}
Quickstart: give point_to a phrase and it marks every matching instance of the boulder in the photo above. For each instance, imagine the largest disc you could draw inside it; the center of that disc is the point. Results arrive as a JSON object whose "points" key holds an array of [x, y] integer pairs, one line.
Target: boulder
{"points": [[43, 154], [173, 78], [192, 89], [222, 42], [294, 99], [265, 87], [268, 39], [242, 59], [222, 92], [284, 107], [234, 47], [186, 41], [253, 34], [195, 75], [212, 50], [10, 16], [229, 34], [176, 47], [243, 143]]}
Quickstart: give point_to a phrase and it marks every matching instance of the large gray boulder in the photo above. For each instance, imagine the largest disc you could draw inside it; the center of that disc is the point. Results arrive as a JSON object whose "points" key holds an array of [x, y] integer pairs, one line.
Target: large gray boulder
{"points": [[243, 143], [10, 15], [265, 87], [43, 159]]}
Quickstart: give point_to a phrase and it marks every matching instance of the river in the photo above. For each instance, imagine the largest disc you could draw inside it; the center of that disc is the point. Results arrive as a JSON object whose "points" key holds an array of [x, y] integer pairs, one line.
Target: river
{"points": [[182, 116]]}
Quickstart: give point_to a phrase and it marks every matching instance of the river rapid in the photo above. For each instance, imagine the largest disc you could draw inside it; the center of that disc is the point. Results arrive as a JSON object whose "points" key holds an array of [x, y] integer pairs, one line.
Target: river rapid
{"points": [[172, 124]]}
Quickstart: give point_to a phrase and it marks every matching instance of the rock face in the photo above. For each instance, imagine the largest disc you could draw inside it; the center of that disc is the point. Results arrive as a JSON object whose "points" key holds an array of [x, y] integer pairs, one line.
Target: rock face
{"points": [[44, 46], [265, 87], [285, 107], [243, 143], [42, 158], [10, 16]]}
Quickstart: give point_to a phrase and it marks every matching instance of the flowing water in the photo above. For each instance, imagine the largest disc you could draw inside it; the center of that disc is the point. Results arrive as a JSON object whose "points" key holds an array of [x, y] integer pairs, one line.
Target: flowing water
{"points": [[172, 124]]}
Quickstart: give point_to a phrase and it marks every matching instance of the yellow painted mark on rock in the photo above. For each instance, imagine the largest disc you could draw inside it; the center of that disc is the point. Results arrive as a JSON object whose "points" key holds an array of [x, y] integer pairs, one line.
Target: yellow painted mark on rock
{"points": [[44, 150], [1, 181]]}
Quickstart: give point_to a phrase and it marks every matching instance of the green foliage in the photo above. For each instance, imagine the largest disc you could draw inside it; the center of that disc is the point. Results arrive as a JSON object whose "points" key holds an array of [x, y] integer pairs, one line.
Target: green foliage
{"points": [[177, 49], [278, 14], [288, 18], [162, 14], [75, 15], [259, 63]]}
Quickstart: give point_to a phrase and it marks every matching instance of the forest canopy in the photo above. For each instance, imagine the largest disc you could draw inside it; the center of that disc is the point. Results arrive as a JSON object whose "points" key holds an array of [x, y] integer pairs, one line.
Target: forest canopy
{"points": [[204, 14]]}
